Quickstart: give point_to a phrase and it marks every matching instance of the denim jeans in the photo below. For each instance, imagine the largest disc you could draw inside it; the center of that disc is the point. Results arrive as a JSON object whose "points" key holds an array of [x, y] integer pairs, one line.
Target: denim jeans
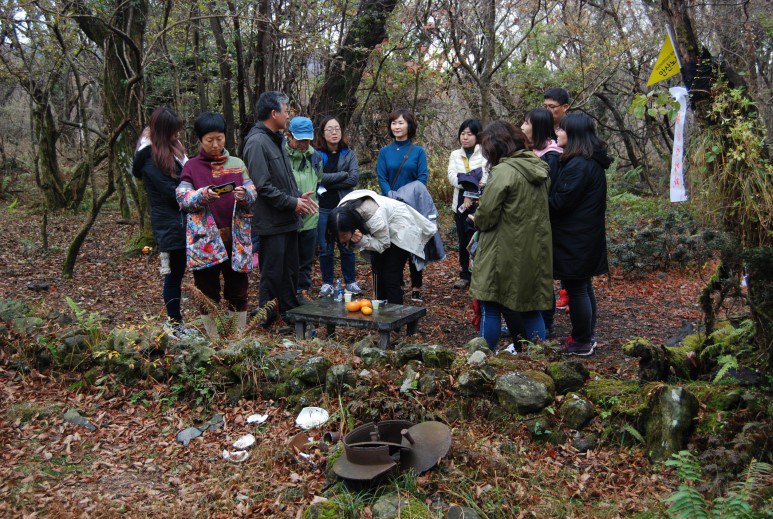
{"points": [[173, 284], [526, 325], [582, 308], [327, 254]]}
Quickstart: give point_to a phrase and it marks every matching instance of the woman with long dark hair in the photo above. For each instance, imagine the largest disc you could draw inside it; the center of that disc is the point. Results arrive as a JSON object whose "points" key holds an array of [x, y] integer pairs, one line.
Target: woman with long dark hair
{"points": [[578, 203], [538, 127], [158, 161], [401, 163], [465, 165], [388, 229], [512, 274], [340, 174]]}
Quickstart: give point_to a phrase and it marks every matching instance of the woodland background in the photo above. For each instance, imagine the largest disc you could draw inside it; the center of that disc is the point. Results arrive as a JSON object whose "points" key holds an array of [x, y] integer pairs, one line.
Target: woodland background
{"points": [[78, 80]]}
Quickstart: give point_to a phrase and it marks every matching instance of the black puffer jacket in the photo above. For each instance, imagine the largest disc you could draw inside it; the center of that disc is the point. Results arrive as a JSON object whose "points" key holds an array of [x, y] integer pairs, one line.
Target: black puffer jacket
{"points": [[167, 221], [578, 205]]}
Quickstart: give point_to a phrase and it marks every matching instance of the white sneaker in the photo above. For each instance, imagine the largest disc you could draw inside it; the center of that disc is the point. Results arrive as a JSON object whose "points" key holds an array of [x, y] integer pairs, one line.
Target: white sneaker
{"points": [[354, 288], [326, 290], [510, 349]]}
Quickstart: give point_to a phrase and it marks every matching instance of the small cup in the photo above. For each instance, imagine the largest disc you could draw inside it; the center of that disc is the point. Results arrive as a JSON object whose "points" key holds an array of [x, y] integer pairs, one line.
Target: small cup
{"points": [[376, 304], [347, 297]]}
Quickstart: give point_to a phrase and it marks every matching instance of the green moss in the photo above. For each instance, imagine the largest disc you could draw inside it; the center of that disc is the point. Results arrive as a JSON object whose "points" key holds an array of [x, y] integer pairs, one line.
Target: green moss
{"points": [[619, 398], [326, 510], [716, 397], [505, 363], [416, 510], [543, 378]]}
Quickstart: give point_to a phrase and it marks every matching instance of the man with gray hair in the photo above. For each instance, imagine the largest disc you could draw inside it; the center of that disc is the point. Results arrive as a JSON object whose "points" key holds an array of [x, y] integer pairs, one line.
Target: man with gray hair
{"points": [[279, 206]]}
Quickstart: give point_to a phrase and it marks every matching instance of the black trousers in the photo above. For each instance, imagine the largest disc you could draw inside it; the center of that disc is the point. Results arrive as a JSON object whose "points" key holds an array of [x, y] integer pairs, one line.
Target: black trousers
{"points": [[464, 231], [388, 270], [417, 276], [307, 251], [279, 270], [235, 285]]}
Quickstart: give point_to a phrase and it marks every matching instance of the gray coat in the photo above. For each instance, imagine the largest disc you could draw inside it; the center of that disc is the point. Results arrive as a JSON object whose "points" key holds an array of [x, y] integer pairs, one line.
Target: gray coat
{"points": [[416, 195], [272, 174], [345, 179]]}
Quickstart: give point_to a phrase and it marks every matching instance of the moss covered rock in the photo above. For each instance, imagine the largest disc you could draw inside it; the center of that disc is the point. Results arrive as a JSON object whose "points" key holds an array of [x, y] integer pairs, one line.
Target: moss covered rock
{"points": [[340, 379], [576, 411], [436, 356], [374, 357], [617, 398], [406, 352], [567, 375], [325, 510], [659, 363], [477, 344], [524, 392], [11, 309], [671, 418], [393, 506], [312, 370], [478, 380]]}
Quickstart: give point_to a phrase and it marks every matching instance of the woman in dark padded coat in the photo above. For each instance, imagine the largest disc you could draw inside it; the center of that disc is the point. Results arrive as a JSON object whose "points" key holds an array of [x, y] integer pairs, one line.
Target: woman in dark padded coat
{"points": [[158, 161], [578, 204]]}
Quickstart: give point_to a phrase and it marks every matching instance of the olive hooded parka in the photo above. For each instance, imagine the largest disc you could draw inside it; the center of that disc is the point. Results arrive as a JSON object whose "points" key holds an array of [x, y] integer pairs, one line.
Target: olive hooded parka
{"points": [[514, 261]]}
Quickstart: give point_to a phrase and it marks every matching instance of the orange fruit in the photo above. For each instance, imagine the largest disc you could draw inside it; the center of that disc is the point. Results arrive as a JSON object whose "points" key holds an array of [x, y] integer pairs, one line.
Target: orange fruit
{"points": [[353, 306], [366, 310], [366, 302]]}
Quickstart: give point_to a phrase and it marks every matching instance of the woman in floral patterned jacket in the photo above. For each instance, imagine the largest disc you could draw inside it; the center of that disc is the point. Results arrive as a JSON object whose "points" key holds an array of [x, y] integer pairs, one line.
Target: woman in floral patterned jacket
{"points": [[216, 190]]}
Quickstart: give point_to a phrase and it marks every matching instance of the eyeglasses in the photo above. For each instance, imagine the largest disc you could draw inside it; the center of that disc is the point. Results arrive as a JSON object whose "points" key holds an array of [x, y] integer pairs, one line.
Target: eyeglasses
{"points": [[551, 107], [332, 130]]}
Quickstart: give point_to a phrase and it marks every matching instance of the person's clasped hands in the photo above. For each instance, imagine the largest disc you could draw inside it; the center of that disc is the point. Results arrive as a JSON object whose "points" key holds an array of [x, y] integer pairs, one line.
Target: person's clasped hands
{"points": [[306, 205]]}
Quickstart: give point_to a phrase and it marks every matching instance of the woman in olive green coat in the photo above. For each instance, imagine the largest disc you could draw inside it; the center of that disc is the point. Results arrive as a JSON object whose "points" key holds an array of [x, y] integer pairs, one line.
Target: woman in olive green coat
{"points": [[512, 276]]}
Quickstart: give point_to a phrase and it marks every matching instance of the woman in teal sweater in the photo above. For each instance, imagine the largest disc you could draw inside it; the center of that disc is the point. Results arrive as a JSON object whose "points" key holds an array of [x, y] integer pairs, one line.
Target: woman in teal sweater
{"points": [[401, 163]]}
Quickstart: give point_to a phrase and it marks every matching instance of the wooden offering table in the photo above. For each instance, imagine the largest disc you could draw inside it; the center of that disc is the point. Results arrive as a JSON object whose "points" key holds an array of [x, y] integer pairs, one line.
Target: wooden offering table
{"points": [[385, 319]]}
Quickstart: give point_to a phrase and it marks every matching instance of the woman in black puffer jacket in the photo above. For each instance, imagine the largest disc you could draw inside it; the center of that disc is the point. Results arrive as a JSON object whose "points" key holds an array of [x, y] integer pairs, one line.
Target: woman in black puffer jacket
{"points": [[158, 161], [578, 204]]}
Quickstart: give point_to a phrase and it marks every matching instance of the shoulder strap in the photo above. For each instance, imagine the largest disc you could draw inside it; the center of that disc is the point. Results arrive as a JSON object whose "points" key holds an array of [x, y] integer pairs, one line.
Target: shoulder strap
{"points": [[397, 172]]}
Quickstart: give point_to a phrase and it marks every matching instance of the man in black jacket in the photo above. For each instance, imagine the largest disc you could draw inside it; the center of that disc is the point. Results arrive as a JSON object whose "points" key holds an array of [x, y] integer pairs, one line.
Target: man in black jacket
{"points": [[277, 210]]}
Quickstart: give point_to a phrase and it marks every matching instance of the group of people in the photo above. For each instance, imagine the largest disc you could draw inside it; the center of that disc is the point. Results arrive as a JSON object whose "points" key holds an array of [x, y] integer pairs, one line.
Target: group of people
{"points": [[528, 204], [540, 217]]}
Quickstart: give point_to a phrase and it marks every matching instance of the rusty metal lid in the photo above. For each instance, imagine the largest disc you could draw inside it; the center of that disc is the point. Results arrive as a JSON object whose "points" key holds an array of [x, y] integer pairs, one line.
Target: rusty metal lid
{"points": [[371, 450], [426, 443], [374, 449], [364, 462]]}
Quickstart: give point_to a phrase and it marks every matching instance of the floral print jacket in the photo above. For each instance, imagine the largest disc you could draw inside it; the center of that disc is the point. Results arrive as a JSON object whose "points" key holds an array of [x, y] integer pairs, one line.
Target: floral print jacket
{"points": [[204, 244]]}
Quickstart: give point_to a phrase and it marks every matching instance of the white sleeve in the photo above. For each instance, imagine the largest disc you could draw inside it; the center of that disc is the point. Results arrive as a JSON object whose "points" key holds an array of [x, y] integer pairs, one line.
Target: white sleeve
{"points": [[452, 173], [377, 238]]}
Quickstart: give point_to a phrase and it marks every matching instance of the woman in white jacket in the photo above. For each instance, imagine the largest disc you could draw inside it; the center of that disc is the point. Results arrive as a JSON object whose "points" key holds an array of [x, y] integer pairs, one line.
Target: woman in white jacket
{"points": [[389, 229], [464, 161]]}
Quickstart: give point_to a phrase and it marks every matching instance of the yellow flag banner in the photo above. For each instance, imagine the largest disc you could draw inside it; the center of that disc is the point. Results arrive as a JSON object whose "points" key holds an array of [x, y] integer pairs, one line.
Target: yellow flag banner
{"points": [[667, 64]]}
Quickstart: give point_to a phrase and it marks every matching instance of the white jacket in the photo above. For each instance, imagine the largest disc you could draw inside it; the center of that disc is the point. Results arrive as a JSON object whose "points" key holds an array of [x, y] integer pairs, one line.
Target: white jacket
{"points": [[390, 221], [456, 166]]}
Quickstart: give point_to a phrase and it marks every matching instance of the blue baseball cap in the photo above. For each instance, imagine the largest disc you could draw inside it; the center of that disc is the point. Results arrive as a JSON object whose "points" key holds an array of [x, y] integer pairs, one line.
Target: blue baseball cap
{"points": [[301, 128]]}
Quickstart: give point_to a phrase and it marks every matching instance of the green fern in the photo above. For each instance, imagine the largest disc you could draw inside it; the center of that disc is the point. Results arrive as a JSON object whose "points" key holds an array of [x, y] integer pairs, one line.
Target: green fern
{"points": [[633, 432], [688, 503], [726, 363]]}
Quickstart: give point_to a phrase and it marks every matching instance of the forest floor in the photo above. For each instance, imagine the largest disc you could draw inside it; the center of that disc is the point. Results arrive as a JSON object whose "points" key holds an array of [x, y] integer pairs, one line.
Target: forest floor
{"points": [[132, 466]]}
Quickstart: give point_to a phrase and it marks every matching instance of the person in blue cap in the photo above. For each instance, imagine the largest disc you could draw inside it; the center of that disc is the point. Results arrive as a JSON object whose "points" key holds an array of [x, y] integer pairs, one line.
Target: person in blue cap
{"points": [[307, 170]]}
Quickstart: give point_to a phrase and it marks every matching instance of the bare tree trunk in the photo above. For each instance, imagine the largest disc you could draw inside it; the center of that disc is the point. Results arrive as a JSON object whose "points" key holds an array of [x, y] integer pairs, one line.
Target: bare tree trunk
{"points": [[226, 77], [244, 122], [338, 94], [199, 73]]}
